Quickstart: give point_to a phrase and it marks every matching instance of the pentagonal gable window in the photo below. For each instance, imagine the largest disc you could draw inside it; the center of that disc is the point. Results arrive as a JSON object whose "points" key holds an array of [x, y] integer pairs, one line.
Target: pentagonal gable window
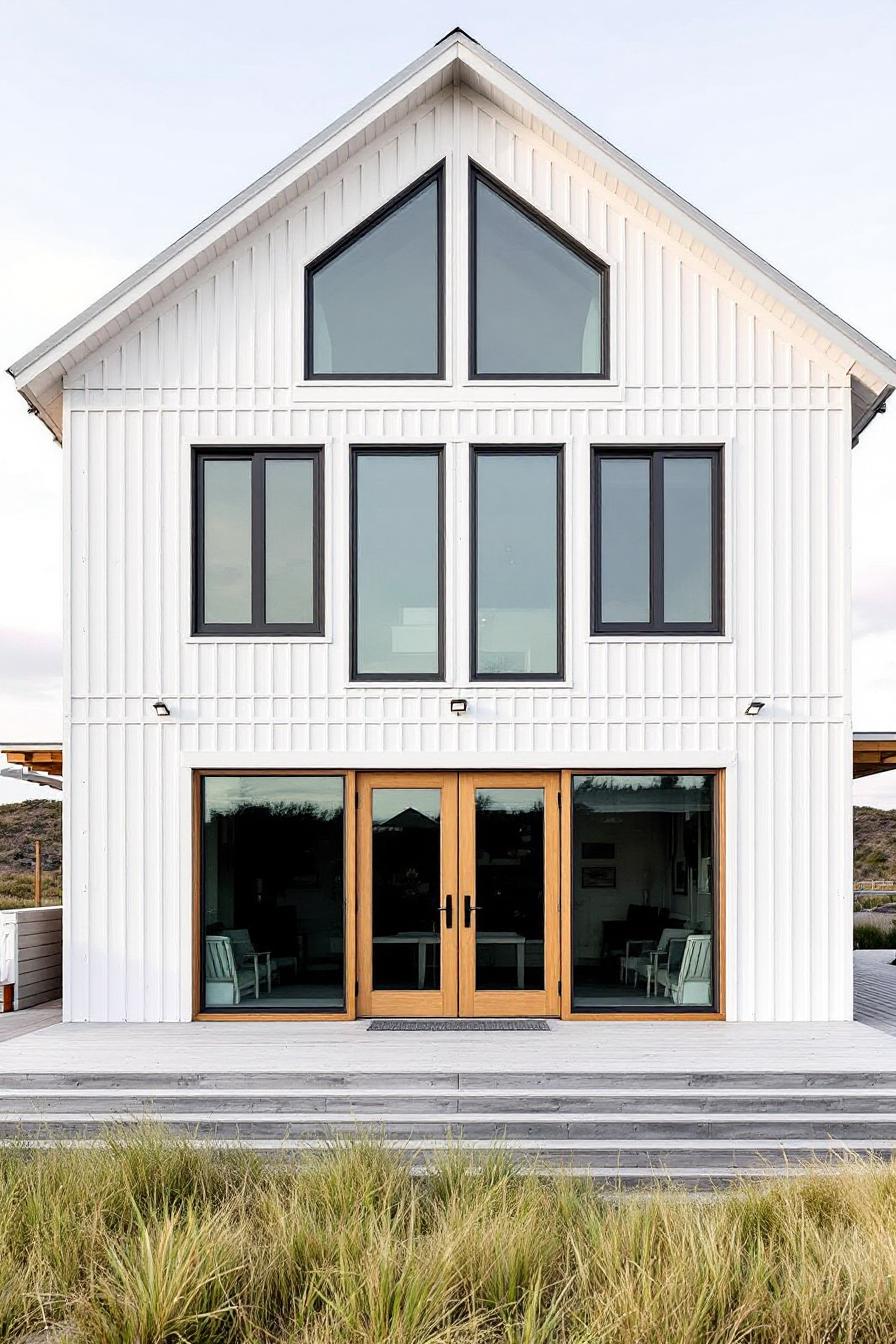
{"points": [[374, 305], [538, 300]]}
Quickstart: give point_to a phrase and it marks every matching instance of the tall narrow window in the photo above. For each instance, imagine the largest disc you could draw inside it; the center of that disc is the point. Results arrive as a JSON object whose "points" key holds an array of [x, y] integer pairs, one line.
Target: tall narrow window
{"points": [[517, 564], [258, 542], [538, 301], [657, 541], [397, 527], [374, 300]]}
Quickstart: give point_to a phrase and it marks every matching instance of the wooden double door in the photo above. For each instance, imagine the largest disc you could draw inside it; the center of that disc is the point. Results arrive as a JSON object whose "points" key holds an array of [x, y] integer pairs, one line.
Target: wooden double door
{"points": [[458, 894]]}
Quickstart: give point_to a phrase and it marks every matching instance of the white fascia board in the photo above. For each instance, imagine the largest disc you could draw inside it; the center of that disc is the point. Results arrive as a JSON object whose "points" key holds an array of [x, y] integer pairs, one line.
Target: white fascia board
{"points": [[229, 216], [676, 207]]}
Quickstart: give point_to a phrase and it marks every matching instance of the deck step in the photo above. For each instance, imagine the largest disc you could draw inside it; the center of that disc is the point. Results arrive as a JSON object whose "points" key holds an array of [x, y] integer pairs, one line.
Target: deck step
{"points": [[423, 1080], [452, 1101]]}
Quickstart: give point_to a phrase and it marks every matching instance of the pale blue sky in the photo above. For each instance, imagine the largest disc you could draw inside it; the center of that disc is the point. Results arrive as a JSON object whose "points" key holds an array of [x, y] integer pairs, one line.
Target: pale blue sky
{"points": [[124, 125]]}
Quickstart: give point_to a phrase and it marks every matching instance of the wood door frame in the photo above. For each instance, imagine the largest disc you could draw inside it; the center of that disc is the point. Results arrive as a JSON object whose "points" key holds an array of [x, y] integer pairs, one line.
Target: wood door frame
{"points": [[348, 900], [719, 949], [511, 1003], [407, 1003]]}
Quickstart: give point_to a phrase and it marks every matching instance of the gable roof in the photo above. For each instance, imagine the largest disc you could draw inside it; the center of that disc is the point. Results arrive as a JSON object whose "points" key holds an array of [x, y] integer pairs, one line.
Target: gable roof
{"points": [[456, 58]]}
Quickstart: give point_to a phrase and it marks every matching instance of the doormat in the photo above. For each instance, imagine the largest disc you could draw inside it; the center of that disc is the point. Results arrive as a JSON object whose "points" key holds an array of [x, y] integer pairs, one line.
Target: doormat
{"points": [[458, 1024]]}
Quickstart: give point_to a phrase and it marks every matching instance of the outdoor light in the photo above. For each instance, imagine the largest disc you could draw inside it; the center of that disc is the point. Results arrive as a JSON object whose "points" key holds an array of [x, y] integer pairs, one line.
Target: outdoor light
{"points": [[162, 709], [458, 706], [754, 707]]}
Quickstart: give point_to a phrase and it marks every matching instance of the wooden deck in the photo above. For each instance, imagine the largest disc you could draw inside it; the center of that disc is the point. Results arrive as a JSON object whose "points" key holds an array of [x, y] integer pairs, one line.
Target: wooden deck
{"points": [[568, 1047]]}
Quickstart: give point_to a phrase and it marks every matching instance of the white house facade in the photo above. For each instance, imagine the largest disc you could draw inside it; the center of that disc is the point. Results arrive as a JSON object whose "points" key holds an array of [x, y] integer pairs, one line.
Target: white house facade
{"points": [[457, 602]]}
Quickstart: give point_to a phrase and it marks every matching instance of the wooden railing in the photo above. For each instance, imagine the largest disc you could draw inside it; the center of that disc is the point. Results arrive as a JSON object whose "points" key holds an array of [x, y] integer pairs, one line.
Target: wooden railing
{"points": [[876, 884]]}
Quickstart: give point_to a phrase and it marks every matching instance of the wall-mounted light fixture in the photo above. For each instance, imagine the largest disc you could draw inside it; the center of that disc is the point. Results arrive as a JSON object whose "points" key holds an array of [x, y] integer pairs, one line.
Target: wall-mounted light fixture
{"points": [[458, 706], [162, 709], [754, 707]]}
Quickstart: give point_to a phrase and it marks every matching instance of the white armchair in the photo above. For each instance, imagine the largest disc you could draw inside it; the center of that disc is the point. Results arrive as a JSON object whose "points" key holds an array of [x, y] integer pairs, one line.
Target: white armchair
{"points": [[225, 980], [687, 975], [247, 956]]}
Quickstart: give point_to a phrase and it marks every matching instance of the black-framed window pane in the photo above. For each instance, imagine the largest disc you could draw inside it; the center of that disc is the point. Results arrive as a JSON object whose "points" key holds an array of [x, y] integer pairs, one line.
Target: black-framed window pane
{"points": [[517, 564], [397, 563], [289, 541], [375, 304], [687, 540], [273, 908], [537, 302], [227, 541], [643, 877], [624, 540]]}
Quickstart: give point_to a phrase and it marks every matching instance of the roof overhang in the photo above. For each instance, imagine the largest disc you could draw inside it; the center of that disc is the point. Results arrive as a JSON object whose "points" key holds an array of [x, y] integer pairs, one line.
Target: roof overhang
{"points": [[456, 59], [34, 762], [873, 753]]}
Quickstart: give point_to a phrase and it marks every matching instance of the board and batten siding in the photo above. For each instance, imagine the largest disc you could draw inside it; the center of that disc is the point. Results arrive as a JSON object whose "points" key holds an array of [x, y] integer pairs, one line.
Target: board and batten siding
{"points": [[694, 360]]}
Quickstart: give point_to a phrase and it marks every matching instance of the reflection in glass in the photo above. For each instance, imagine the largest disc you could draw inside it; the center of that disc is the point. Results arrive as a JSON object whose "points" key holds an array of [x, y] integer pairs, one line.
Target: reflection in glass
{"points": [[517, 569], [289, 541], [227, 541], [537, 302], [272, 893], [643, 893], [687, 539], [624, 540], [397, 564], [375, 305], [406, 888], [509, 889]]}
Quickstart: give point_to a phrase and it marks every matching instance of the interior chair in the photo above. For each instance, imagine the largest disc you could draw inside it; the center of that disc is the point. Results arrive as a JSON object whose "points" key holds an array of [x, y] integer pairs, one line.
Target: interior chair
{"points": [[642, 957], [225, 980], [246, 955], [687, 975]]}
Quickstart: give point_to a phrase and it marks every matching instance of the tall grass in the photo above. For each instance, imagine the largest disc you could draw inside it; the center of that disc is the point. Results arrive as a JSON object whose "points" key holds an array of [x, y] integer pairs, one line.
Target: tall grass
{"points": [[874, 933], [146, 1241]]}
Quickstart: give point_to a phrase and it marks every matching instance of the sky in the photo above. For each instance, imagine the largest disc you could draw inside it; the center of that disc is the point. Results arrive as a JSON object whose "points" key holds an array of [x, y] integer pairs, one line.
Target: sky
{"points": [[125, 124]]}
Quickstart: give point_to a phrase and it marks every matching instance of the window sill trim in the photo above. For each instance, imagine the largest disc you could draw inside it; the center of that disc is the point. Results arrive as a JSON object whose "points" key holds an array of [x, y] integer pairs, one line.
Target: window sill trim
{"points": [[654, 636]]}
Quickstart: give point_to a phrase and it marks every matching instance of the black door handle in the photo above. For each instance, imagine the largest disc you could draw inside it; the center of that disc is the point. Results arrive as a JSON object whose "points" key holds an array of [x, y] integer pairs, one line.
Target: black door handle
{"points": [[446, 910], [469, 907]]}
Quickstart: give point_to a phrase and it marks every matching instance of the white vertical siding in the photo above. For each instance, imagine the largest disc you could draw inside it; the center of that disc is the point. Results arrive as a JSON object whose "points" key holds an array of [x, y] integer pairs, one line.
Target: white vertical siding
{"points": [[694, 359]]}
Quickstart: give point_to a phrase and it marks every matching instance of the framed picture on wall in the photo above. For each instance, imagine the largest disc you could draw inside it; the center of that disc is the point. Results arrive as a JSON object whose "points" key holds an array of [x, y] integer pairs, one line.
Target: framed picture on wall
{"points": [[599, 875], [680, 878], [598, 849]]}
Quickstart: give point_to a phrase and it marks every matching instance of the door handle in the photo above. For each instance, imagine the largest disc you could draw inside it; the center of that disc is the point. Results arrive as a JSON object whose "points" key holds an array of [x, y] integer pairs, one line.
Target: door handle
{"points": [[446, 910], [469, 907]]}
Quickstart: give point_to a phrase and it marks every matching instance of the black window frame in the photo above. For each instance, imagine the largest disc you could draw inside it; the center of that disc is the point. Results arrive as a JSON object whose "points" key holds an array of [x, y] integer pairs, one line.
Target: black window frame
{"points": [[257, 457], [656, 455], [437, 175], [558, 451], [477, 174], [356, 451]]}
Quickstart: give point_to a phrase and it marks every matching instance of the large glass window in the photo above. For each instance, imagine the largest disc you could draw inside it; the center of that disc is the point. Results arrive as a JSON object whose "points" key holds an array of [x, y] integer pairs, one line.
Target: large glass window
{"points": [[374, 301], [258, 544], [272, 893], [643, 893], [657, 541], [538, 301], [517, 564], [397, 621]]}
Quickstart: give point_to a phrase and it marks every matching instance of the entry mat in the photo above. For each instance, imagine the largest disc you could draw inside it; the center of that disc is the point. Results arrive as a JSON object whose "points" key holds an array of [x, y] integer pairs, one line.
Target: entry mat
{"points": [[458, 1024]]}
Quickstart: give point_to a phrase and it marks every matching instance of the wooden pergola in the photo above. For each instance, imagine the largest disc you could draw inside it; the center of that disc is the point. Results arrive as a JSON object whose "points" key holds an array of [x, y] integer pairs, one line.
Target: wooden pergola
{"points": [[37, 762], [872, 753]]}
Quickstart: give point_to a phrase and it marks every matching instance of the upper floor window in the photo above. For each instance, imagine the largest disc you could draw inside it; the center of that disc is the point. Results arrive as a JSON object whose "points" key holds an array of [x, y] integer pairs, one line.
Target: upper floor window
{"points": [[538, 301], [397, 563], [517, 564], [657, 541], [373, 303], [258, 542]]}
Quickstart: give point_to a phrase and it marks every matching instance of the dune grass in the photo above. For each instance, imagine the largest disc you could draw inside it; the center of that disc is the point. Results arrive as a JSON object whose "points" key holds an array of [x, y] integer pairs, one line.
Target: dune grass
{"points": [[144, 1240]]}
